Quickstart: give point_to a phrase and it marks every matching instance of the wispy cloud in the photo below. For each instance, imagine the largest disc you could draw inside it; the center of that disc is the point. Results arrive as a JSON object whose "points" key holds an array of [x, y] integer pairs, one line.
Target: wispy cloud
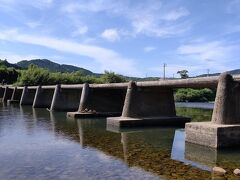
{"points": [[151, 18], [111, 35], [39, 4], [233, 7], [14, 58], [176, 14], [80, 31], [213, 54], [107, 58], [33, 24], [149, 48]]}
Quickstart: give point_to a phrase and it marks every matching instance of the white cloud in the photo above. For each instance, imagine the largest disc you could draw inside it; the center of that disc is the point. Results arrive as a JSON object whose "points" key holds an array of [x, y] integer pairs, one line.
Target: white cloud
{"points": [[149, 48], [33, 24], [80, 31], [107, 58], [110, 35], [176, 14]]}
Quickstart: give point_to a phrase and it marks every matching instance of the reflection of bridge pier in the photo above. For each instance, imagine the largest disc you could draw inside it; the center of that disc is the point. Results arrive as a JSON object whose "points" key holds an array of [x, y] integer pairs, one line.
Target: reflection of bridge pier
{"points": [[150, 148], [212, 157], [64, 127]]}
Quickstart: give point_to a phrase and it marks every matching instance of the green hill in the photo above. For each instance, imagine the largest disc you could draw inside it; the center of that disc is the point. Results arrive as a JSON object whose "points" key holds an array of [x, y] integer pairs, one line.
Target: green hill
{"points": [[8, 65], [52, 66]]}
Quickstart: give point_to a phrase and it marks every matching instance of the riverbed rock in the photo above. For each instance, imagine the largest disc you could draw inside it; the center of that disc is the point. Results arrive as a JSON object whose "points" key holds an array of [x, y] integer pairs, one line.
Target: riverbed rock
{"points": [[219, 171], [237, 172]]}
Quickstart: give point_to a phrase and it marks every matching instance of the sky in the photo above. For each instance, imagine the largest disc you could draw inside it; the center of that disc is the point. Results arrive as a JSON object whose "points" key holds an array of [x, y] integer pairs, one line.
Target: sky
{"points": [[129, 37]]}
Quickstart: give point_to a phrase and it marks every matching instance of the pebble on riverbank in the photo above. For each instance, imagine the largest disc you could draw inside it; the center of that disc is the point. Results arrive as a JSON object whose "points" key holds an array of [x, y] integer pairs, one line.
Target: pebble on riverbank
{"points": [[219, 171]]}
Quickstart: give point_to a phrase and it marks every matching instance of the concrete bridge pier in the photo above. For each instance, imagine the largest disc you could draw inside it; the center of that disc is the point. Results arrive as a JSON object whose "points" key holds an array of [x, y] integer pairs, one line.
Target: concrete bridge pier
{"points": [[148, 106], [43, 97], [28, 95], [7, 94], [99, 102], [224, 128], [65, 99], [16, 96], [1, 92]]}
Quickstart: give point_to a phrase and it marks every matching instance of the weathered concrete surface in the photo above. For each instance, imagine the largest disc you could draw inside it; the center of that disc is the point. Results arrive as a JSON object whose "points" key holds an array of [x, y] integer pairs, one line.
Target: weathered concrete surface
{"points": [[123, 122], [227, 102], [16, 96], [7, 94], [213, 135], [28, 95], [224, 128], [65, 99], [43, 98], [1, 92], [99, 102], [147, 106]]}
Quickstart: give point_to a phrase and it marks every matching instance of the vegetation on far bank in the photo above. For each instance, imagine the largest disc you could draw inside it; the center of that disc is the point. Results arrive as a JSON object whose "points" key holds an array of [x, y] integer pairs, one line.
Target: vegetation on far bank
{"points": [[194, 95], [39, 76]]}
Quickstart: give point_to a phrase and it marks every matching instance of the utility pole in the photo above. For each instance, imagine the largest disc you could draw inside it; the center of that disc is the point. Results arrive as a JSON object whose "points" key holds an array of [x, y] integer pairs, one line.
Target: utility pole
{"points": [[208, 72], [164, 70]]}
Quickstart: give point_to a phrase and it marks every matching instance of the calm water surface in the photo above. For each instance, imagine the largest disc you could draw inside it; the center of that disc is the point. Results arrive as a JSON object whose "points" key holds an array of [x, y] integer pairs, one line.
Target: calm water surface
{"points": [[37, 144]]}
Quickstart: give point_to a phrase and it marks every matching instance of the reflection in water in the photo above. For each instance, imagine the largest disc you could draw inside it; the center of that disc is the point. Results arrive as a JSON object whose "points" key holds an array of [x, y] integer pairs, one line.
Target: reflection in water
{"points": [[39, 144], [196, 114]]}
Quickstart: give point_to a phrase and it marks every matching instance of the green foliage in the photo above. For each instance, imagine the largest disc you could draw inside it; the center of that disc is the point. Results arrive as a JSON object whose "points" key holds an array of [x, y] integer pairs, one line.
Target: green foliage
{"points": [[194, 95], [8, 75], [183, 74], [33, 76], [111, 77], [39, 76]]}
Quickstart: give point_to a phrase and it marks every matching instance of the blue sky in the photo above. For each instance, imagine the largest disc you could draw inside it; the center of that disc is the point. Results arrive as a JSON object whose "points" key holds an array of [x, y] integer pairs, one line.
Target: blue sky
{"points": [[125, 36]]}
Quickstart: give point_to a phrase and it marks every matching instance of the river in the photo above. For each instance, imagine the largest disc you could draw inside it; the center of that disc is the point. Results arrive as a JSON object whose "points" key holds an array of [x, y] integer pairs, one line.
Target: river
{"points": [[37, 144]]}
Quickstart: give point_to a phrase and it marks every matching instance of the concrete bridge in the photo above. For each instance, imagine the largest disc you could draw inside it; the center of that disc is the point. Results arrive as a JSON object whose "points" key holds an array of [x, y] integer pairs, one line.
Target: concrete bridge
{"points": [[141, 104]]}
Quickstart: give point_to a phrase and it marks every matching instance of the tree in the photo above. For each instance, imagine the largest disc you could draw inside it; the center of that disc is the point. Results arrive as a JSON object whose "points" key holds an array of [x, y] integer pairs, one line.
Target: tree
{"points": [[111, 77], [183, 74]]}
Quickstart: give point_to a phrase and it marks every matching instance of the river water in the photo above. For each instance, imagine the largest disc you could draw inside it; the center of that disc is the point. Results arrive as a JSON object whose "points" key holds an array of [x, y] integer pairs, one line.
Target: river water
{"points": [[37, 144]]}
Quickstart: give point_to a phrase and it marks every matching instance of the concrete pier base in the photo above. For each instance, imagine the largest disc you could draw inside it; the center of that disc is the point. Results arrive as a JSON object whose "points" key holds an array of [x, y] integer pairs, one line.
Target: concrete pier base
{"points": [[224, 128], [148, 121], [13, 101], [213, 135], [91, 114]]}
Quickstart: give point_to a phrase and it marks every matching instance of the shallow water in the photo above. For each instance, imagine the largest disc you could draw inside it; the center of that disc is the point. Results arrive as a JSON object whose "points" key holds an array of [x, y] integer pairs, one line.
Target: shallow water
{"points": [[37, 144]]}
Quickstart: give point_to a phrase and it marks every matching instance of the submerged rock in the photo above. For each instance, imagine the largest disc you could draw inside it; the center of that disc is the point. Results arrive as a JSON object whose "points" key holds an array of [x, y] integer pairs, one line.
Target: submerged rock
{"points": [[237, 172], [219, 171]]}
